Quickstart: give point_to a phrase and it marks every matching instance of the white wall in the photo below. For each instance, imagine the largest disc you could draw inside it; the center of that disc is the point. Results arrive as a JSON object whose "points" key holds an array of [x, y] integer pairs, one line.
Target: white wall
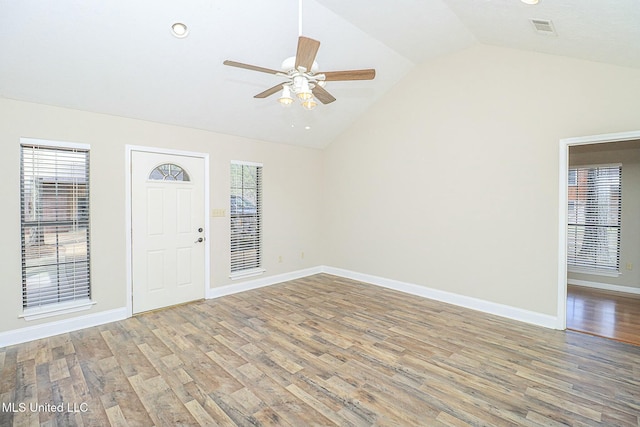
{"points": [[451, 180], [292, 180]]}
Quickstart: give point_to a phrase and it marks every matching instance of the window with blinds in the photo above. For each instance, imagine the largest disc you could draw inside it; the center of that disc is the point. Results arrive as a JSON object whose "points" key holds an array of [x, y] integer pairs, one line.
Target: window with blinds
{"points": [[246, 219], [595, 208], [54, 191]]}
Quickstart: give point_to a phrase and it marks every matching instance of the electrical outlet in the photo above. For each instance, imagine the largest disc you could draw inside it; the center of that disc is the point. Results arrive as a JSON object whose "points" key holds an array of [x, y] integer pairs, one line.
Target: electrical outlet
{"points": [[629, 266], [279, 258], [302, 255]]}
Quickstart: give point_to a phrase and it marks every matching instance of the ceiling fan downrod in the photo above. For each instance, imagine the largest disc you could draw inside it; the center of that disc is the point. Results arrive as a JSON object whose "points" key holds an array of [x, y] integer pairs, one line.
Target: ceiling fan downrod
{"points": [[299, 18]]}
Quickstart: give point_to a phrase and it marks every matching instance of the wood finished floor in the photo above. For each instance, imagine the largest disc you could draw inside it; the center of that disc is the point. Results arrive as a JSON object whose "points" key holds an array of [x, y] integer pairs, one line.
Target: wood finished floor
{"points": [[321, 351], [608, 314]]}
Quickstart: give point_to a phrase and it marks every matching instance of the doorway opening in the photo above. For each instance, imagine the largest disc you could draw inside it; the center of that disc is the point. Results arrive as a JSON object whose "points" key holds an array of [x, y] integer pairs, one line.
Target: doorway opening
{"points": [[586, 303]]}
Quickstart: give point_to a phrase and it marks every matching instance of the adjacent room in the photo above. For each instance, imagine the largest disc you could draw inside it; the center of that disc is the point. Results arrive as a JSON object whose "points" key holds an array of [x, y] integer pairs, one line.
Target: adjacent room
{"points": [[313, 212], [604, 192]]}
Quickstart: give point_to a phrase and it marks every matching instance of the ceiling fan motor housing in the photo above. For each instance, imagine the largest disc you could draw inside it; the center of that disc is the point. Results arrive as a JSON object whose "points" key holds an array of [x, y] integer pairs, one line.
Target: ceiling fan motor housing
{"points": [[290, 64]]}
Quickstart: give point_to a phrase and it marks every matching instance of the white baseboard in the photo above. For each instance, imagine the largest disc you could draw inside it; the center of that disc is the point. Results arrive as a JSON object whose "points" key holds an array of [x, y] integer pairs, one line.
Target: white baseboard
{"points": [[260, 283], [604, 286], [502, 310], [50, 329]]}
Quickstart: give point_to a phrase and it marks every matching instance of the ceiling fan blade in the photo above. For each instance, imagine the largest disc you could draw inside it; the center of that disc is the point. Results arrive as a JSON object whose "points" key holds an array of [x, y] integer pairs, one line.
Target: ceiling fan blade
{"points": [[270, 91], [367, 74], [250, 67], [307, 51], [322, 95]]}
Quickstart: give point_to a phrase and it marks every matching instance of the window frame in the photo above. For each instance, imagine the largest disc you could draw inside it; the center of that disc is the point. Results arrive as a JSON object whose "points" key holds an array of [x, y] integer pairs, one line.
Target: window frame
{"points": [[252, 267], [76, 303]]}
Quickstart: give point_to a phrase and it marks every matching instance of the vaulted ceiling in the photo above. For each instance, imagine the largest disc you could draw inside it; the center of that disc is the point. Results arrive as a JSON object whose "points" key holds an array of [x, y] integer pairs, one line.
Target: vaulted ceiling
{"points": [[119, 57]]}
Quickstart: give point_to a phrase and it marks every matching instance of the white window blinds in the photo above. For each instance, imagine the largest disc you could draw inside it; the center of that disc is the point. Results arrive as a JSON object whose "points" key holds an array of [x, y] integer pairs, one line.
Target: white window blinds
{"points": [[246, 217], [54, 191], [595, 194]]}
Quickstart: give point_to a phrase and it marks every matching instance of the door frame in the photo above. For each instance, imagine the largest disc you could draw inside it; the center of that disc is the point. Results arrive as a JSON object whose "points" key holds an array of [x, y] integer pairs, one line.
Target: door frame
{"points": [[563, 210], [128, 212]]}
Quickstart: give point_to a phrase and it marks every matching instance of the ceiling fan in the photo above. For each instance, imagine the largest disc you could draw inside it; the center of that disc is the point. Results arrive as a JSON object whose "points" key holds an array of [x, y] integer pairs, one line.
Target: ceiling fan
{"points": [[302, 77]]}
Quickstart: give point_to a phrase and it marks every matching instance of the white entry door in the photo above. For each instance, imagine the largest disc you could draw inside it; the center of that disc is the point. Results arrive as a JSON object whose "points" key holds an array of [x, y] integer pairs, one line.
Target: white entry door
{"points": [[167, 229]]}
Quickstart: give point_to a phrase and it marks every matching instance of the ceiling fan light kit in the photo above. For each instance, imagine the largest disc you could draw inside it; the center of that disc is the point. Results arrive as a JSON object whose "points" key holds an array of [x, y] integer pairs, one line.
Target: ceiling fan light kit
{"points": [[309, 104], [302, 88], [285, 99]]}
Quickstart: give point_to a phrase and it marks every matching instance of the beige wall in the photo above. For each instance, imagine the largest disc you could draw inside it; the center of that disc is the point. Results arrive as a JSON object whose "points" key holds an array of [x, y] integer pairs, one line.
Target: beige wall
{"points": [[292, 180], [627, 153], [451, 180]]}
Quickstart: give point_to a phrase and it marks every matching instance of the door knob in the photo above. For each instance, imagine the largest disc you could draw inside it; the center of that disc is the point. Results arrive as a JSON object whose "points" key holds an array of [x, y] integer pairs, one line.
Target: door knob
{"points": [[200, 240]]}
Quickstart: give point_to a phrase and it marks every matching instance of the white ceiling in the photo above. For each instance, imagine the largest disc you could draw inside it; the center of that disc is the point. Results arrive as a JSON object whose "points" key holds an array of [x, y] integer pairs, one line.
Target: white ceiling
{"points": [[118, 57]]}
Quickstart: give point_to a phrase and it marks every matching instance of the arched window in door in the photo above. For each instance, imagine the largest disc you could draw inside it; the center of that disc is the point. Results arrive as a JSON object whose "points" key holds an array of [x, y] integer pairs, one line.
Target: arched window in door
{"points": [[169, 172]]}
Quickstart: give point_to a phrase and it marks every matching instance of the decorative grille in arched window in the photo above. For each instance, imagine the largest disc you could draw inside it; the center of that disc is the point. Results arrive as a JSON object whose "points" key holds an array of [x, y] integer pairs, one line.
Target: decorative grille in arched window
{"points": [[169, 172]]}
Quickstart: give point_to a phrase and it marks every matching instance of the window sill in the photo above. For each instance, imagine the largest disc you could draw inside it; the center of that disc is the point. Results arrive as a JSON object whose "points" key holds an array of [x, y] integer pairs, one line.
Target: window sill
{"points": [[246, 273], [605, 273], [51, 310]]}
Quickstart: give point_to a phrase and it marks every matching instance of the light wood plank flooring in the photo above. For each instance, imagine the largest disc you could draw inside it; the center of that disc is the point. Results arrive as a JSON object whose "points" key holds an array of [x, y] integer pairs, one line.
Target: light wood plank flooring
{"points": [[609, 314], [320, 351]]}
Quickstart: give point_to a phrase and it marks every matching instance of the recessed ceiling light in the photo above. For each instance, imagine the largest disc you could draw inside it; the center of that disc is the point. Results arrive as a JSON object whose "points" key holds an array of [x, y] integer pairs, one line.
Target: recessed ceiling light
{"points": [[307, 127], [529, 1], [179, 30]]}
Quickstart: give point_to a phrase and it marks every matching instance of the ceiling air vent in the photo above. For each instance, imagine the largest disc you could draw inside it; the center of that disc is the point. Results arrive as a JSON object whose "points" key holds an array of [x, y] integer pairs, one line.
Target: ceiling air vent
{"points": [[544, 26]]}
